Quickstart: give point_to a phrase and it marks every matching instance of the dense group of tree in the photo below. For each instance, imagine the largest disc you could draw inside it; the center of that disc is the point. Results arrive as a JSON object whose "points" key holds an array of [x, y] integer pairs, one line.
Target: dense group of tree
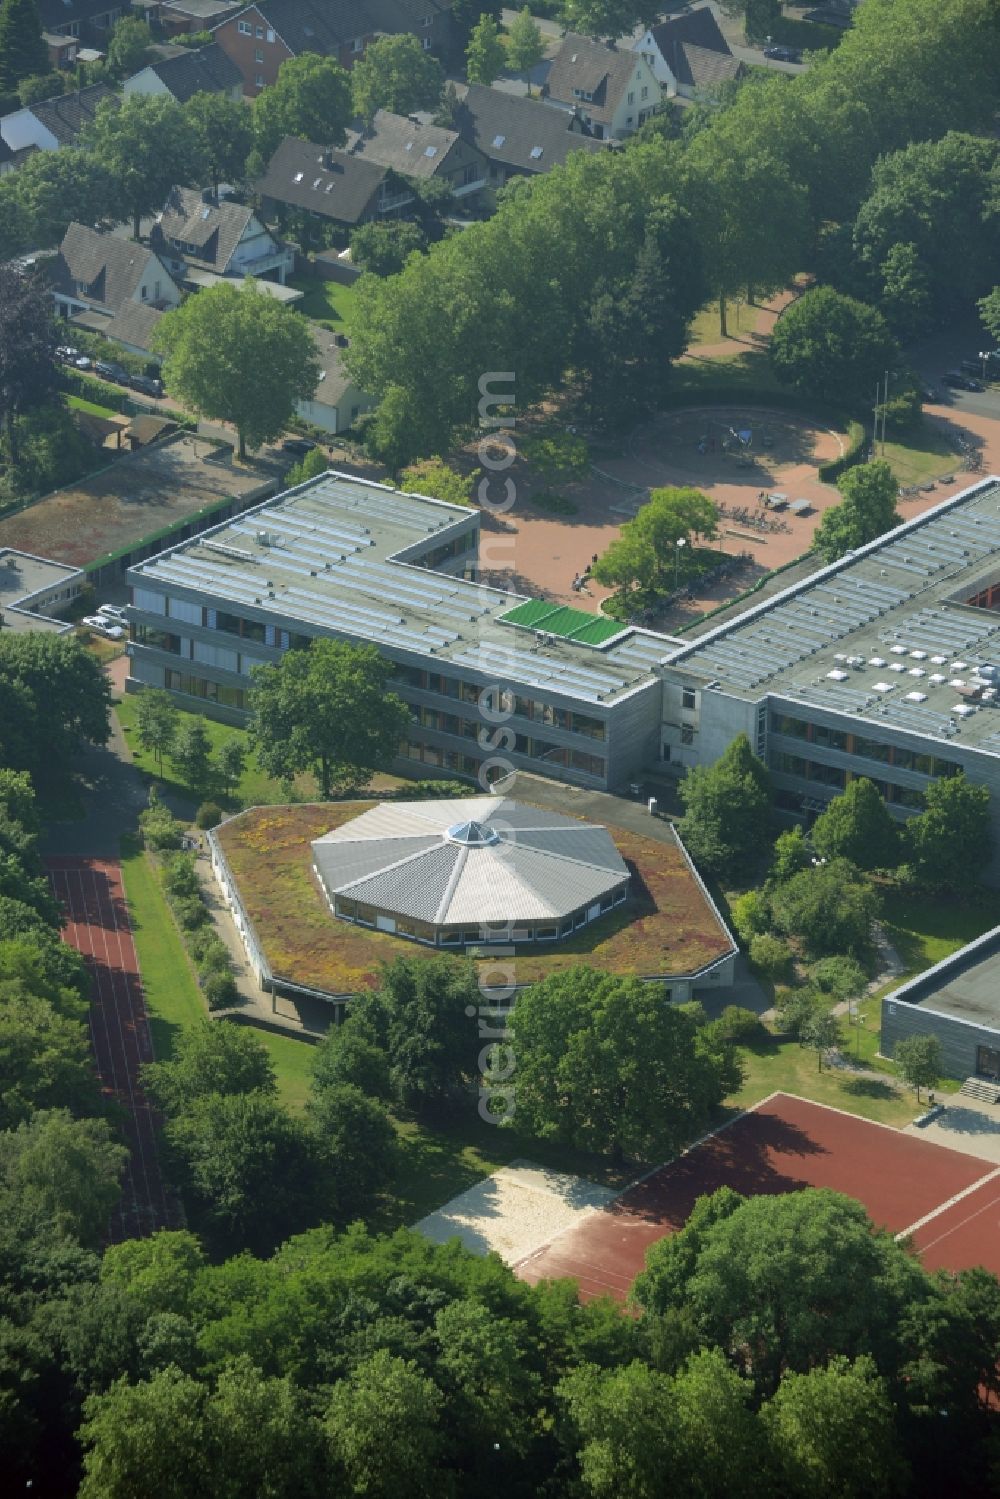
{"points": [[748, 195]]}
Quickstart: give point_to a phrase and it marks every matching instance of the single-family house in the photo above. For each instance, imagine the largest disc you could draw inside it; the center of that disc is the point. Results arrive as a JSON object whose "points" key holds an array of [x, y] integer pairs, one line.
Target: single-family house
{"points": [[174, 17], [689, 55], [261, 36], [333, 186], [201, 70], [519, 137], [613, 90], [99, 272], [132, 326], [62, 50], [412, 148], [194, 231], [51, 123], [86, 20], [337, 402]]}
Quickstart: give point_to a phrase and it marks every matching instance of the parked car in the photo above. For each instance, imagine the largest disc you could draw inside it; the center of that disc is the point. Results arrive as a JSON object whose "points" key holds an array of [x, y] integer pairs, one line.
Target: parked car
{"points": [[783, 54], [976, 385], [972, 366], [103, 626], [83, 362], [66, 355], [114, 613], [108, 370], [955, 379], [148, 385], [298, 445]]}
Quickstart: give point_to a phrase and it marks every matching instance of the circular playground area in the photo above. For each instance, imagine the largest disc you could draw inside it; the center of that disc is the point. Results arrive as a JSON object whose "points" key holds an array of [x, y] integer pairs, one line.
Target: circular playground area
{"points": [[731, 445]]}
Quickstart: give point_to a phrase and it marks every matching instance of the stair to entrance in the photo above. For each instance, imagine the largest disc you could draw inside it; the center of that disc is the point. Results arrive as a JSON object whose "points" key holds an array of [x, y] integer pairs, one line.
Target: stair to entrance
{"points": [[977, 1087]]}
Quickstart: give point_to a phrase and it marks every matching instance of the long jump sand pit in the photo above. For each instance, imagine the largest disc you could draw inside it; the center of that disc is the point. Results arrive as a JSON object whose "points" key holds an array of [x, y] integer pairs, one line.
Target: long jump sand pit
{"points": [[515, 1211]]}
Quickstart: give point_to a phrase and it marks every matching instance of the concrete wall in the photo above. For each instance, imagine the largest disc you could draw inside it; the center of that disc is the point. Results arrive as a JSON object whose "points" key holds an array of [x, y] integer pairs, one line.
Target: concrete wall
{"points": [[959, 1039]]}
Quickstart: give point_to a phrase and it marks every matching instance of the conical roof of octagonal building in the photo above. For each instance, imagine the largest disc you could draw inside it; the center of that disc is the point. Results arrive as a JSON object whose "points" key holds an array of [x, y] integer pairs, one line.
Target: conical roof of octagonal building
{"points": [[476, 860]]}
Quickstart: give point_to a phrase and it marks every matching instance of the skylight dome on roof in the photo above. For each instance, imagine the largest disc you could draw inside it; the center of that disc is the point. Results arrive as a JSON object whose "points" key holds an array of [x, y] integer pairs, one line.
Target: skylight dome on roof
{"points": [[472, 834]]}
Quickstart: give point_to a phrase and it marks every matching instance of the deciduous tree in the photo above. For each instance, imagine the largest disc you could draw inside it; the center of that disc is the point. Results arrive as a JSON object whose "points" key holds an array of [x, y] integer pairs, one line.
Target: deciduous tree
{"points": [[129, 46], [820, 1031], [326, 710], [525, 43], [311, 98], [383, 248], [866, 511], [210, 1058], [727, 811], [230, 760], [608, 18], [53, 698], [395, 73], [147, 145], [605, 1065], [949, 844], [419, 1017], [191, 752], [434, 477], [23, 52], [989, 311], [485, 55], [383, 1429], [834, 348], [858, 826], [831, 909], [27, 348], [223, 132], [356, 1136], [213, 340], [57, 188], [833, 1432], [918, 1059], [156, 723], [61, 1172]]}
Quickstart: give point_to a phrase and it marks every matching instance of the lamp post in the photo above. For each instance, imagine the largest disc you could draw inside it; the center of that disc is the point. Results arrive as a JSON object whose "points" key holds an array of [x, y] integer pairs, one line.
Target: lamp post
{"points": [[984, 354], [677, 558]]}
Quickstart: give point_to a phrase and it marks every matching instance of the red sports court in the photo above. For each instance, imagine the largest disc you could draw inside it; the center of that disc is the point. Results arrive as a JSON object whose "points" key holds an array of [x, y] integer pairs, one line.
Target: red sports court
{"points": [[948, 1202]]}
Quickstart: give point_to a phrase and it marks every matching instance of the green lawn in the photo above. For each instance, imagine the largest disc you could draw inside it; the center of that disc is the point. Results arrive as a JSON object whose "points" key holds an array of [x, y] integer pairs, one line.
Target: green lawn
{"points": [[173, 999], [748, 374], [326, 301], [77, 403], [255, 788], [740, 319], [775, 1064], [921, 456]]}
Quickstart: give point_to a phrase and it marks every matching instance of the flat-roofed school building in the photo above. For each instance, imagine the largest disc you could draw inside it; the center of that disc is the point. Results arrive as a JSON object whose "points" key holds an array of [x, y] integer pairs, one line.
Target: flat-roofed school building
{"points": [[958, 1000], [567, 694], [885, 664]]}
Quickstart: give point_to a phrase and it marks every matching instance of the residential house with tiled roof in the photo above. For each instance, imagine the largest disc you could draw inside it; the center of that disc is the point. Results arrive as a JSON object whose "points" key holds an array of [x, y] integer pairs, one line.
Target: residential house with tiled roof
{"points": [[613, 90], [172, 17], [99, 272], [411, 147], [51, 123], [261, 36], [194, 231], [132, 326], [337, 402], [89, 21], [689, 54], [201, 70], [519, 137], [333, 186]]}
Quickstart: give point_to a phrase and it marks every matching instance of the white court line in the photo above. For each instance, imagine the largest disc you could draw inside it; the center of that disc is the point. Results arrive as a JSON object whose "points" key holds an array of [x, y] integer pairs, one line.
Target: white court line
{"points": [[944, 1206]]}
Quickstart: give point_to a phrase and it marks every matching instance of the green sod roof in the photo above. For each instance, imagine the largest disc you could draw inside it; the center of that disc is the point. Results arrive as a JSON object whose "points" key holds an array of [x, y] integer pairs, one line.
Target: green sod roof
{"points": [[560, 619]]}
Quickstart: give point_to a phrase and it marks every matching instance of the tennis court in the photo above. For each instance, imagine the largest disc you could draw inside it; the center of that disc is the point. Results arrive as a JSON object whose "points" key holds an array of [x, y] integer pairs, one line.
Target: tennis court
{"points": [[947, 1201]]}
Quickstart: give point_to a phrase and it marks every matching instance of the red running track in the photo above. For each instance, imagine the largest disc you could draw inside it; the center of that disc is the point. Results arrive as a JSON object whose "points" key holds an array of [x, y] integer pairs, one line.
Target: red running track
{"points": [[97, 925], [907, 1184]]}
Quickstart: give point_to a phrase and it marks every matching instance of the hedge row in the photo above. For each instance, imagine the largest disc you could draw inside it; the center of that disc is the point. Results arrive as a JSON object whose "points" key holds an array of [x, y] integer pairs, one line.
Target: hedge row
{"points": [[116, 398], [852, 454]]}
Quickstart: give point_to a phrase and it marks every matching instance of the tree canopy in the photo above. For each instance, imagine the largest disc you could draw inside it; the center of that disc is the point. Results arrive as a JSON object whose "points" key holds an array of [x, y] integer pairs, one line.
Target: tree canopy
{"points": [[648, 553], [395, 73], [311, 98], [604, 1064], [866, 511], [212, 342], [27, 348], [147, 145], [485, 56], [858, 826], [727, 811], [831, 908], [949, 843], [23, 52], [326, 709], [223, 134], [833, 347]]}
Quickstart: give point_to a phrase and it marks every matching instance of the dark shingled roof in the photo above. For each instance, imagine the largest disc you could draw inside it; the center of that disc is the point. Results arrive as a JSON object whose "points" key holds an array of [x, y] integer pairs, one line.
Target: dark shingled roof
{"points": [[54, 14], [133, 324], [402, 144], [325, 25], [695, 50], [206, 70], [335, 184], [593, 68], [112, 268], [507, 129], [214, 228], [67, 115]]}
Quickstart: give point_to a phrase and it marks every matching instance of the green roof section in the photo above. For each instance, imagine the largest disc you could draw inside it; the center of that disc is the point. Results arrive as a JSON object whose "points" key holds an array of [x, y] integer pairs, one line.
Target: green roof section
{"points": [[559, 619]]}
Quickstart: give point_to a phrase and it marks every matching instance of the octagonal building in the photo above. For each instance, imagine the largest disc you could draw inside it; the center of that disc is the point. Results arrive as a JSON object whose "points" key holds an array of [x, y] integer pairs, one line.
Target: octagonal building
{"points": [[471, 870]]}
